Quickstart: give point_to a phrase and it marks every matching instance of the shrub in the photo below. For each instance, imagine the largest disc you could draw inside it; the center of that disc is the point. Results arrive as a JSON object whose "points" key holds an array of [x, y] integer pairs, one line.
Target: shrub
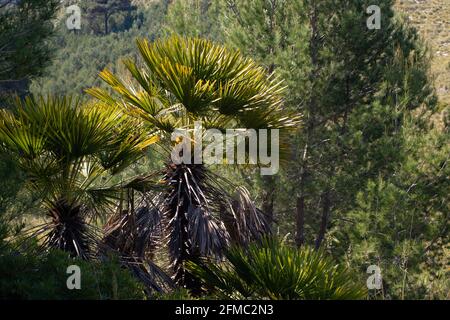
{"points": [[272, 270], [31, 275]]}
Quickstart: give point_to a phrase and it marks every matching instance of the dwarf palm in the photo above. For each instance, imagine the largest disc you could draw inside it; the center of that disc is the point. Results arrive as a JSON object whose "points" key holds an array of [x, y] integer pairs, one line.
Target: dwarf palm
{"points": [[184, 81], [67, 152], [273, 270]]}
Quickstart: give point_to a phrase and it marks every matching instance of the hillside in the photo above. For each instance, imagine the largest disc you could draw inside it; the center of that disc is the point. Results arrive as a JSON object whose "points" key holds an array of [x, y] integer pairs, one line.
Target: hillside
{"points": [[432, 19]]}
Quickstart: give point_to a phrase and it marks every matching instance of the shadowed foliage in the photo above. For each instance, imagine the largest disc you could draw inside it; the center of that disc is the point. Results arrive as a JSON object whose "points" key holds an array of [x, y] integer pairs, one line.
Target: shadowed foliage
{"points": [[25, 28], [272, 270], [68, 152]]}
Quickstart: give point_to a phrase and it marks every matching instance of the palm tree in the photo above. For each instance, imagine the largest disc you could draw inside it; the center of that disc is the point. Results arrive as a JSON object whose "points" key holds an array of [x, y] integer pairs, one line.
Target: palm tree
{"points": [[69, 153], [182, 81]]}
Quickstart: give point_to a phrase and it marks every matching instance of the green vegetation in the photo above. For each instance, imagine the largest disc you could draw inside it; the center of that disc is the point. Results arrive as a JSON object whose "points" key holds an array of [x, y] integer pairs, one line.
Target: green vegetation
{"points": [[24, 49], [402, 222], [432, 20], [272, 270], [195, 80], [82, 55], [27, 274], [106, 16]]}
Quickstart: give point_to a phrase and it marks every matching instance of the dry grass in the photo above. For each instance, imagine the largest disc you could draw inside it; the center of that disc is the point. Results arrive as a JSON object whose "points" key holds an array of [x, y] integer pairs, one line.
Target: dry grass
{"points": [[432, 19]]}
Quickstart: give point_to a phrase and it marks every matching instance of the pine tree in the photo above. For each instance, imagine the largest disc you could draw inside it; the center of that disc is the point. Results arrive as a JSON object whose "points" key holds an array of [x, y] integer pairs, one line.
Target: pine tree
{"points": [[195, 18]]}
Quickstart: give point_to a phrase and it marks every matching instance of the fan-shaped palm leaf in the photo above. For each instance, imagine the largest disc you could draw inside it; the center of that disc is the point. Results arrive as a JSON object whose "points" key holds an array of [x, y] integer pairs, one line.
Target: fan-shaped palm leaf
{"points": [[272, 270], [186, 80], [68, 151]]}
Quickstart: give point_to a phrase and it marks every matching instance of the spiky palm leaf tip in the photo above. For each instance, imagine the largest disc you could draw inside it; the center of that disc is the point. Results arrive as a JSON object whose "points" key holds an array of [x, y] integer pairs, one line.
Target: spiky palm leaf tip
{"points": [[273, 270]]}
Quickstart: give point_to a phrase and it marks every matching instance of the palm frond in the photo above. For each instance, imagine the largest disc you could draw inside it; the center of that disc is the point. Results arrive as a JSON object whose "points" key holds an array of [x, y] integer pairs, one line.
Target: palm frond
{"points": [[206, 79], [272, 270]]}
